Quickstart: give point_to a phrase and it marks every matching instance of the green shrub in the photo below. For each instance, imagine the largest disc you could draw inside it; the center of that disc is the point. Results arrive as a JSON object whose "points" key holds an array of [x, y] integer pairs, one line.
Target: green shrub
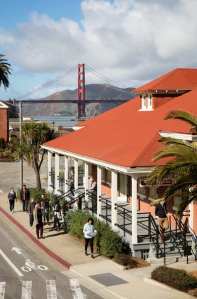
{"points": [[108, 242], [77, 219], [36, 194], [178, 279]]}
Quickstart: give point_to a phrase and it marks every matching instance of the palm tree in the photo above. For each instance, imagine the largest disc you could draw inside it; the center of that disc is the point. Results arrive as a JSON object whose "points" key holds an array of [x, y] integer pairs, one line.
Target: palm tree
{"points": [[181, 164], [33, 136], [4, 71]]}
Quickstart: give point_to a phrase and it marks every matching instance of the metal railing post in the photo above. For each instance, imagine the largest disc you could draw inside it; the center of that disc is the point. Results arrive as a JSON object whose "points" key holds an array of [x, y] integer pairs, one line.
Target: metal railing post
{"points": [[157, 244], [106, 210], [164, 251], [149, 227], [124, 218]]}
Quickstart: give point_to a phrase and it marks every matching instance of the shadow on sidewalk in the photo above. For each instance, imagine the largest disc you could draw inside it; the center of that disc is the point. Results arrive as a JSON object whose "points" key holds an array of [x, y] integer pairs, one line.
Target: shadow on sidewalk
{"points": [[55, 234]]}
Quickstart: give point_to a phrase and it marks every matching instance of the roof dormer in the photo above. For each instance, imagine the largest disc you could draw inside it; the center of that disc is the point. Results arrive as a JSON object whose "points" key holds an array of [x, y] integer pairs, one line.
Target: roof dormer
{"points": [[146, 102]]}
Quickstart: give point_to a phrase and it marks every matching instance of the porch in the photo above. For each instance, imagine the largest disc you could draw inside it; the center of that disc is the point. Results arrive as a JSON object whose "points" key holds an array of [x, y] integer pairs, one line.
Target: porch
{"points": [[115, 200]]}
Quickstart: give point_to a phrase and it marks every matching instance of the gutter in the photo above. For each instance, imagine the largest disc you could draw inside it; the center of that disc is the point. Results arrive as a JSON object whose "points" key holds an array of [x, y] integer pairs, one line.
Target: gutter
{"points": [[122, 169]]}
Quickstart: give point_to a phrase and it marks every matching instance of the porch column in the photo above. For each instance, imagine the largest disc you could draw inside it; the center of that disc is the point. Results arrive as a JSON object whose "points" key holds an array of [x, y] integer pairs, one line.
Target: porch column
{"points": [[191, 216], [134, 206], [114, 186], [49, 171], [86, 170], [57, 173], [99, 204], [76, 174], [66, 169]]}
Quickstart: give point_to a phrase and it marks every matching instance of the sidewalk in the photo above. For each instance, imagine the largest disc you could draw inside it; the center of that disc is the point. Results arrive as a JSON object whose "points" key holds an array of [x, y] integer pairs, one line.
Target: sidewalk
{"points": [[66, 246], [99, 273]]}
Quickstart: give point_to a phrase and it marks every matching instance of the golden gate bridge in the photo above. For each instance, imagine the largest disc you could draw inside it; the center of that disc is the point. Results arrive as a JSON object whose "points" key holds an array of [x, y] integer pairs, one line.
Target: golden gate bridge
{"points": [[81, 100]]}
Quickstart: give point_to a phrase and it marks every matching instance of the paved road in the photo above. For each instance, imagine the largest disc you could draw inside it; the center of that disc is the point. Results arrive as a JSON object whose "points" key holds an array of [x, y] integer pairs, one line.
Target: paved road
{"points": [[25, 272]]}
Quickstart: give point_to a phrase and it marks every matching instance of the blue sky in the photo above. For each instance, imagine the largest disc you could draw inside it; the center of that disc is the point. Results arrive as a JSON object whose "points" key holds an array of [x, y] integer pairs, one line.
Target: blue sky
{"points": [[14, 12], [127, 42]]}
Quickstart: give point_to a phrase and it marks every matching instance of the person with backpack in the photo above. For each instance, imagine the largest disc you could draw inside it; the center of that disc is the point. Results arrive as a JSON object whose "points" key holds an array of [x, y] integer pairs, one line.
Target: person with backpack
{"points": [[89, 233], [12, 198], [39, 221]]}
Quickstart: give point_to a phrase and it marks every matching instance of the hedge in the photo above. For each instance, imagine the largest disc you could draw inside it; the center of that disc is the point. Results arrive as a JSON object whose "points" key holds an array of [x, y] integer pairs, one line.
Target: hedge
{"points": [[178, 279], [108, 242]]}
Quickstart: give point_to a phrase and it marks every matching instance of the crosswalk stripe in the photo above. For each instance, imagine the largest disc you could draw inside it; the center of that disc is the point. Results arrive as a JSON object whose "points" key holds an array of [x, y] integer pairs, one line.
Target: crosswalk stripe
{"points": [[51, 289], [2, 290], [75, 287], [26, 289]]}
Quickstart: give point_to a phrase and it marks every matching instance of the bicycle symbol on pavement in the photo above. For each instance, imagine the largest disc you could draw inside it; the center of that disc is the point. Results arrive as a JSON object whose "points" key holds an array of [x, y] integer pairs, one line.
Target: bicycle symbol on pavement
{"points": [[29, 266]]}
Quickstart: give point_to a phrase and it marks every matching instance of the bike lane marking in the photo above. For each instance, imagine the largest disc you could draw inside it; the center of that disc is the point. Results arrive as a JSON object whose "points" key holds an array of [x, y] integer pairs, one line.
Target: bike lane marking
{"points": [[11, 264]]}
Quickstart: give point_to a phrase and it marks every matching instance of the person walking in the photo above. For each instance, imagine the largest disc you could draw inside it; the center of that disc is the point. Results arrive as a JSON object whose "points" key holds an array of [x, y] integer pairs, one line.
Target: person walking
{"points": [[12, 198], [39, 221], [93, 193], [31, 211], [89, 233], [57, 216], [25, 198], [46, 208], [161, 214]]}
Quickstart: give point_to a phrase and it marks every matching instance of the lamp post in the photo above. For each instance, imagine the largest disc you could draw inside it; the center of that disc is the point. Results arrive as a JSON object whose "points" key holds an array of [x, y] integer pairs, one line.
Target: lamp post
{"points": [[20, 136]]}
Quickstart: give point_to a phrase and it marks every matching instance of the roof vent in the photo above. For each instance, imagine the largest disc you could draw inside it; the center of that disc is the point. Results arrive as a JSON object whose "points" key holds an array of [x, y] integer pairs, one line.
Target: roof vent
{"points": [[146, 102]]}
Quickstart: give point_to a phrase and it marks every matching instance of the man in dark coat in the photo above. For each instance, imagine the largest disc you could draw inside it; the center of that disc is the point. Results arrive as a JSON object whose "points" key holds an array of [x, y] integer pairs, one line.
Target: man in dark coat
{"points": [[39, 220], [25, 197]]}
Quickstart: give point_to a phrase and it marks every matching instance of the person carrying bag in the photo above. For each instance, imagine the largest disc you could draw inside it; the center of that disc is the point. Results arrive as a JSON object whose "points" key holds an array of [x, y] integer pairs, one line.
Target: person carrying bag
{"points": [[89, 233]]}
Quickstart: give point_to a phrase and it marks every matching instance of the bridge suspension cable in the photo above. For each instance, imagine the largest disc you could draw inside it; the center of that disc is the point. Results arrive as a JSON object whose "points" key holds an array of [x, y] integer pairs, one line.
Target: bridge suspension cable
{"points": [[45, 84], [105, 79]]}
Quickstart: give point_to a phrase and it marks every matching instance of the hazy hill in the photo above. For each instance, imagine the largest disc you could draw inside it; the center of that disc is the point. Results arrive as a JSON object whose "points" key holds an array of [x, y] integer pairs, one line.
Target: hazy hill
{"points": [[93, 92]]}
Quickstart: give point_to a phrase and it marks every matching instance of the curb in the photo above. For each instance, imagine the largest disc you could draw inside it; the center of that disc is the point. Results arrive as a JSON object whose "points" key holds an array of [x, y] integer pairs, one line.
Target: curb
{"points": [[157, 283], [52, 254]]}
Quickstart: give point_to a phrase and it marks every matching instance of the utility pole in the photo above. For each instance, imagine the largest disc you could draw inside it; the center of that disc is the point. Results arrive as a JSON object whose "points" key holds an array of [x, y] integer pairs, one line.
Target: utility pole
{"points": [[21, 158]]}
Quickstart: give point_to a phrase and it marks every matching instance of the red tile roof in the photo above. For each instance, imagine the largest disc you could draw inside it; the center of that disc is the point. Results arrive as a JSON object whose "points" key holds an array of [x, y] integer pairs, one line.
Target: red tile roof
{"points": [[124, 135], [180, 78]]}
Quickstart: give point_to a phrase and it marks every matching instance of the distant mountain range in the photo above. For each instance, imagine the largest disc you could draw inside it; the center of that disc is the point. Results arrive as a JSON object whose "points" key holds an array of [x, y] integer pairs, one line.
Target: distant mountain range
{"points": [[93, 92]]}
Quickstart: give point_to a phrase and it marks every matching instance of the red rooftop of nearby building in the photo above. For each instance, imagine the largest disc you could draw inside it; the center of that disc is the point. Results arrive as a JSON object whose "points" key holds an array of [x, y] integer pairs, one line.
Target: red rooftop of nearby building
{"points": [[128, 137], [178, 79]]}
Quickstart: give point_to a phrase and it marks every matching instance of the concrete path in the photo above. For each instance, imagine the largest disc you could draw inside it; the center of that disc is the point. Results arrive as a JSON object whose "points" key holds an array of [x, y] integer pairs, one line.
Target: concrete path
{"points": [[101, 275]]}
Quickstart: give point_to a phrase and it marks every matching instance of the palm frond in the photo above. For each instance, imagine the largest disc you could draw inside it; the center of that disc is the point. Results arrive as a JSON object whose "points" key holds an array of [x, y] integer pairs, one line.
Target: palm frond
{"points": [[5, 71], [183, 115]]}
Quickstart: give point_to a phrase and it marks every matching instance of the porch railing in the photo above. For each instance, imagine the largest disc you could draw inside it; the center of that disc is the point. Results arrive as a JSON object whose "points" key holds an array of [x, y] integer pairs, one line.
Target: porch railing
{"points": [[91, 201], [125, 218], [105, 208]]}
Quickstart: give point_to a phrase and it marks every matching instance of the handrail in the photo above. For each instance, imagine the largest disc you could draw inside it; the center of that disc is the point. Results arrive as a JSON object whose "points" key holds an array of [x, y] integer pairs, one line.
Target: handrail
{"points": [[184, 230]]}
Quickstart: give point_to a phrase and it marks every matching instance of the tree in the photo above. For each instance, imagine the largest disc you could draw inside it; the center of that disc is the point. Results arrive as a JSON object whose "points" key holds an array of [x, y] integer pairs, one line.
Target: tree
{"points": [[181, 164], [33, 136], [4, 71]]}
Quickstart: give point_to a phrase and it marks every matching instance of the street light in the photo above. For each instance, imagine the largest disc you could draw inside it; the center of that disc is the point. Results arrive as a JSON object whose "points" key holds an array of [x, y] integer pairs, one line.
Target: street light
{"points": [[20, 136]]}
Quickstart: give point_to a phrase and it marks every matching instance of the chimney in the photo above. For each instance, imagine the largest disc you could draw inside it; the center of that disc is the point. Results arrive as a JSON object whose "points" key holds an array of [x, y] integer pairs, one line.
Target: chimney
{"points": [[146, 102]]}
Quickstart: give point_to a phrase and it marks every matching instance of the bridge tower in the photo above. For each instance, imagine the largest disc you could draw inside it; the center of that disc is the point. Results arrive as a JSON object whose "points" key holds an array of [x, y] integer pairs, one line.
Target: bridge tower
{"points": [[81, 91]]}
